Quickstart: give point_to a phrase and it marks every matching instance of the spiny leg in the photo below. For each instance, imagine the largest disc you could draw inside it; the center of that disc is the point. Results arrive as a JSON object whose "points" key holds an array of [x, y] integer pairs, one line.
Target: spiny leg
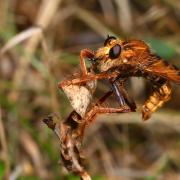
{"points": [[99, 109], [116, 89], [122, 95], [89, 77], [161, 94], [85, 53], [91, 115]]}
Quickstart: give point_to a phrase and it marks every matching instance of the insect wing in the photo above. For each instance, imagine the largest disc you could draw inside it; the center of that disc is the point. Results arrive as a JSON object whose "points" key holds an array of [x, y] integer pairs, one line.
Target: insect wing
{"points": [[164, 69]]}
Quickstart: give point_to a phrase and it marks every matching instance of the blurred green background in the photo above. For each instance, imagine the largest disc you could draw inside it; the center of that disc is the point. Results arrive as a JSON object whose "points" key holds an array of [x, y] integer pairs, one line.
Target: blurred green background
{"points": [[31, 64]]}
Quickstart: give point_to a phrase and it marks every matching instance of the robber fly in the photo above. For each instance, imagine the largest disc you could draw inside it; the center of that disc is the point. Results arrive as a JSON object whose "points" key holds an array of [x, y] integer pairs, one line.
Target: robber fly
{"points": [[134, 58], [118, 60]]}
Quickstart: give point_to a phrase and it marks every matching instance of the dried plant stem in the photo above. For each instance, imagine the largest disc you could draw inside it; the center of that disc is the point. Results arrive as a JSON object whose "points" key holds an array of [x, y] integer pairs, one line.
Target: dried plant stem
{"points": [[4, 147], [108, 10], [47, 10], [32, 150], [126, 146], [93, 22], [71, 156], [158, 117], [2, 13], [51, 80], [106, 157], [124, 15], [20, 37]]}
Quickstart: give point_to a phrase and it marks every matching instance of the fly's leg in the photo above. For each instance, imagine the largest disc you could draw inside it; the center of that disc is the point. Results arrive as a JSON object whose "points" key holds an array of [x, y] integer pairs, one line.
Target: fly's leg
{"points": [[85, 53], [91, 115], [99, 109], [122, 95], [116, 87], [161, 94], [89, 77]]}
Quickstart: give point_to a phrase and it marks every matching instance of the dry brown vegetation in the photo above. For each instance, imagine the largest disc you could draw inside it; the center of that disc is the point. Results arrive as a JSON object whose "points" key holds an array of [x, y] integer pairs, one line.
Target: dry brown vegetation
{"points": [[40, 43]]}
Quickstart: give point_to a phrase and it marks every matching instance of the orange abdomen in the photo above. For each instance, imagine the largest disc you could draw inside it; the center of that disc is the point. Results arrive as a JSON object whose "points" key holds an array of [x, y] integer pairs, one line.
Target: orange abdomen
{"points": [[156, 100]]}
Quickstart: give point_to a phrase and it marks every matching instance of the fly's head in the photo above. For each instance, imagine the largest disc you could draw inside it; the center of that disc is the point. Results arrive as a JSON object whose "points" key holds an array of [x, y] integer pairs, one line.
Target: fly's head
{"points": [[117, 53]]}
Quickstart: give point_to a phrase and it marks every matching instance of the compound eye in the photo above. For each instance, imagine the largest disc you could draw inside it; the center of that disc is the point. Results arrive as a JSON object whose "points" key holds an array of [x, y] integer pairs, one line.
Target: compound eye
{"points": [[108, 40], [115, 51]]}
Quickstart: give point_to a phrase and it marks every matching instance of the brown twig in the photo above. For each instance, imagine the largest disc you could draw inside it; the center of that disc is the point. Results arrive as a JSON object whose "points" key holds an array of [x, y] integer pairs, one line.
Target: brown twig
{"points": [[68, 130], [70, 154]]}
